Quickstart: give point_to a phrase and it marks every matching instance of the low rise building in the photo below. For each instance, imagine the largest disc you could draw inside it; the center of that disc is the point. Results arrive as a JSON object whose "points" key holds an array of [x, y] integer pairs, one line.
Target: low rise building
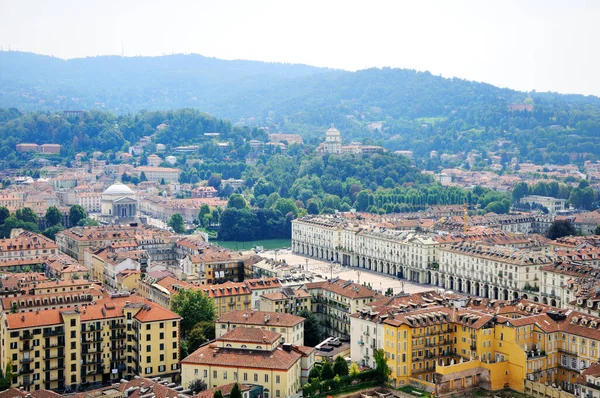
{"points": [[290, 327], [250, 355]]}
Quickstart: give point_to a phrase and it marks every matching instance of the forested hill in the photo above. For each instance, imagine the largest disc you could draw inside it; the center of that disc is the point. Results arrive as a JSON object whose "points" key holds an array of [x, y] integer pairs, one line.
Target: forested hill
{"points": [[400, 109]]}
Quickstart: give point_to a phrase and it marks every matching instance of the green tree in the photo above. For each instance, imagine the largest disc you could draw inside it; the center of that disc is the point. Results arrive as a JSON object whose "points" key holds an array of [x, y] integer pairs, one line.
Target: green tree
{"points": [[4, 214], [177, 223], [214, 181], [194, 307], [76, 213], [560, 228], [312, 330], [53, 216], [236, 201], [327, 372], [312, 207], [26, 215], [381, 366], [520, 190], [597, 230], [340, 366], [201, 333], [285, 206], [197, 386], [51, 232], [236, 392], [354, 370], [143, 177], [314, 374], [218, 394]]}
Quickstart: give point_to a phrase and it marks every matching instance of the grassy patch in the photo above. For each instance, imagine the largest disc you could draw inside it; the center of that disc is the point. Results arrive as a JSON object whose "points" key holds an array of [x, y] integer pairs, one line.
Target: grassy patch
{"points": [[350, 389]]}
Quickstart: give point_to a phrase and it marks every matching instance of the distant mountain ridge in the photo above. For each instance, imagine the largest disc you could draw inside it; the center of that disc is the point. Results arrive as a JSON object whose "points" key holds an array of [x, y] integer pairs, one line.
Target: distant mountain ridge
{"points": [[404, 108]]}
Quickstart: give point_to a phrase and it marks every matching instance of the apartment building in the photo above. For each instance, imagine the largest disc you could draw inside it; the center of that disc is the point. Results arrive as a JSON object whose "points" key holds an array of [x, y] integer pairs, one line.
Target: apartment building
{"points": [[107, 263], [160, 244], [450, 346], [250, 355], [34, 294], [229, 296], [333, 301], [213, 265], [290, 327], [63, 267], [261, 286], [288, 300], [24, 245], [114, 338]]}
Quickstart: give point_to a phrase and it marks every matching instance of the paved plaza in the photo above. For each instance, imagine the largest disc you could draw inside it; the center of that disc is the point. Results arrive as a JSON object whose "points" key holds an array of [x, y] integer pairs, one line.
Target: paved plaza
{"points": [[327, 270]]}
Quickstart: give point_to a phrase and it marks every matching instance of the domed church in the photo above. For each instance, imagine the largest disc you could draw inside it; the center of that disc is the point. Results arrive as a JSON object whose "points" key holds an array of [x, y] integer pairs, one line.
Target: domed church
{"points": [[119, 202]]}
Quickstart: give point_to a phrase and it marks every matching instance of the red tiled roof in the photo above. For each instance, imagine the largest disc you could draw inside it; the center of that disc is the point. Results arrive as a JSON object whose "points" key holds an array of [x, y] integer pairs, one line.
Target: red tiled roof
{"points": [[258, 318]]}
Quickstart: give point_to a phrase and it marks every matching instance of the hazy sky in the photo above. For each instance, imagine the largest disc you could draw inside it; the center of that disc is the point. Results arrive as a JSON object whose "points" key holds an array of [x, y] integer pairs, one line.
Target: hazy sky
{"points": [[543, 45]]}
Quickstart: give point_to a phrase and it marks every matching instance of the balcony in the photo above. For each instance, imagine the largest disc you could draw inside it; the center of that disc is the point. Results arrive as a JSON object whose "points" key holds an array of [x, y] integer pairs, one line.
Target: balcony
{"points": [[117, 326], [54, 333], [25, 371], [26, 360], [93, 340], [57, 356], [26, 336], [118, 336], [535, 354], [26, 348], [592, 385], [118, 348]]}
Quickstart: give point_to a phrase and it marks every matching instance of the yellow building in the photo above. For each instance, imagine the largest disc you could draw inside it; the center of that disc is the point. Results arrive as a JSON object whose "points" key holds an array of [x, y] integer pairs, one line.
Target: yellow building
{"points": [[250, 355], [490, 344], [128, 280], [113, 338], [229, 296]]}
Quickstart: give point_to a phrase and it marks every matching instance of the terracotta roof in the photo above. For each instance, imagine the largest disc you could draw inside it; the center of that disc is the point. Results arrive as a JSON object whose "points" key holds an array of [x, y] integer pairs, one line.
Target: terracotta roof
{"points": [[251, 335], [343, 288], [225, 390], [15, 392], [227, 289], [243, 358], [155, 312], [259, 317]]}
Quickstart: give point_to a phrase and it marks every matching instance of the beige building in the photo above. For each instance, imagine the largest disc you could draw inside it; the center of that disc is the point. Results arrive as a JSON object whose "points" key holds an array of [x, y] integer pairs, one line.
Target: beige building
{"points": [[333, 302], [290, 327], [157, 174], [496, 272], [287, 301], [250, 355]]}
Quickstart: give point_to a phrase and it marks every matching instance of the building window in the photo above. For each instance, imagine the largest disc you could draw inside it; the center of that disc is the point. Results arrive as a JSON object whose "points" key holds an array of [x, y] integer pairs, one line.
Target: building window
{"points": [[224, 375], [149, 370]]}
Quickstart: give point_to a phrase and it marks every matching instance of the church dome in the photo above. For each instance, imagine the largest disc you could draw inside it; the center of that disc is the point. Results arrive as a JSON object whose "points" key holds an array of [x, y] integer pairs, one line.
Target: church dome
{"points": [[118, 189]]}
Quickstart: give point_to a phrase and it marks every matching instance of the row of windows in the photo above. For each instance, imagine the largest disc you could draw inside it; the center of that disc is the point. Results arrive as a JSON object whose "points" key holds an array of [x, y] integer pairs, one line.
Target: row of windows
{"points": [[235, 376]]}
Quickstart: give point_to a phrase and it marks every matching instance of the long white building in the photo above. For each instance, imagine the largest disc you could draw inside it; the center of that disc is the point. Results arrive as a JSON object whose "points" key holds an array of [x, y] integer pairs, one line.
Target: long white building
{"points": [[492, 264]]}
